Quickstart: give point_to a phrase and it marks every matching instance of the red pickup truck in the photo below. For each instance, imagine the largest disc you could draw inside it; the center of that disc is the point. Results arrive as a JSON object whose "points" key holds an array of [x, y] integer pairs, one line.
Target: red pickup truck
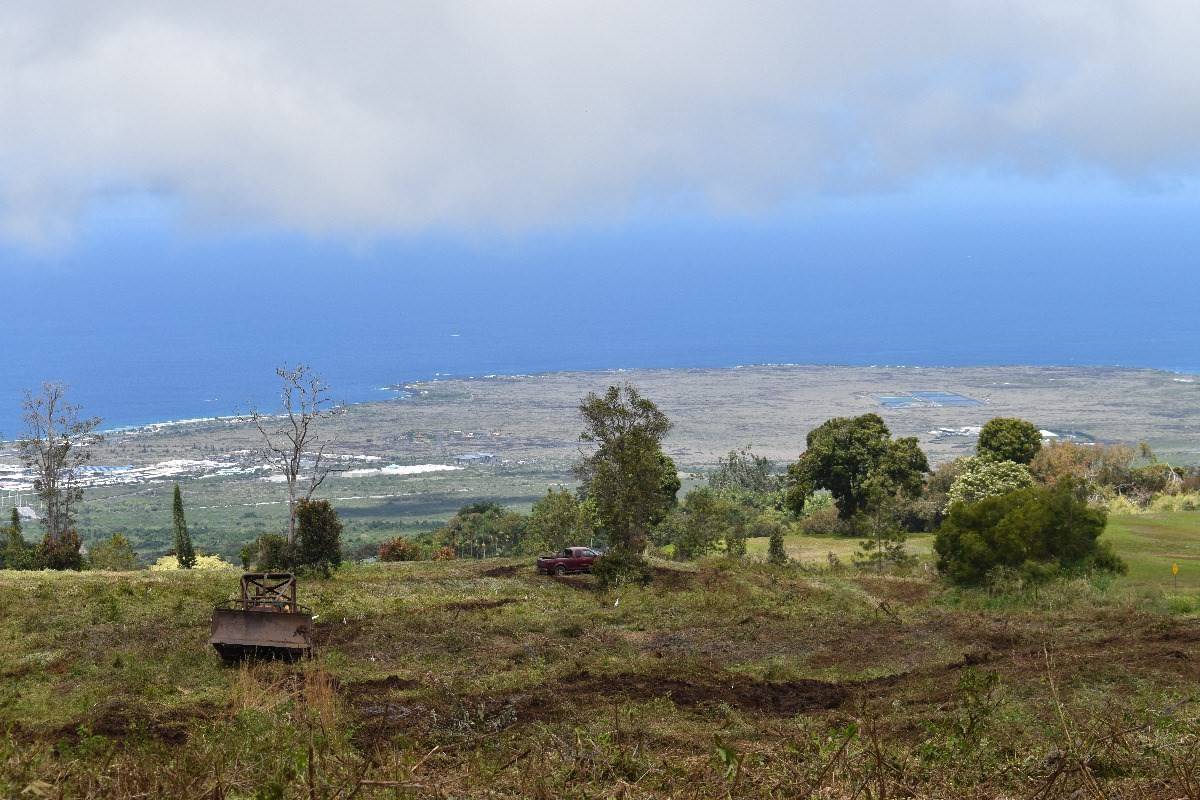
{"points": [[571, 559]]}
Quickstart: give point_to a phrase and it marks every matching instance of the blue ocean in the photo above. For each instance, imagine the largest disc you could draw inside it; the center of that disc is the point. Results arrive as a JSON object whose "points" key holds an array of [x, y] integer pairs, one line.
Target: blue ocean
{"points": [[154, 327]]}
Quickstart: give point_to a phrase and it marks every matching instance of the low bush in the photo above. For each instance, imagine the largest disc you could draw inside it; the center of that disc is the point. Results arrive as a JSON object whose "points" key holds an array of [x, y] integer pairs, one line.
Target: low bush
{"points": [[400, 548], [825, 521], [1037, 531], [619, 567]]}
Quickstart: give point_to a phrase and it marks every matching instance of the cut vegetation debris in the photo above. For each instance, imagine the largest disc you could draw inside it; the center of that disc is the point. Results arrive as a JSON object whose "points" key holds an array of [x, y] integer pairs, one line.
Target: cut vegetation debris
{"points": [[483, 679]]}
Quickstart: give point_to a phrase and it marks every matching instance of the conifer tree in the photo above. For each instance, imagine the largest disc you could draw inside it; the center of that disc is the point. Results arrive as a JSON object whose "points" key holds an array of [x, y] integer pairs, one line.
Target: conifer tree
{"points": [[775, 552], [15, 523], [185, 554]]}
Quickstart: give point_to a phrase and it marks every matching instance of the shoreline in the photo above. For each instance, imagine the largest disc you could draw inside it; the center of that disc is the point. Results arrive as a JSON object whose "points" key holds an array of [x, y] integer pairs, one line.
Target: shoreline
{"points": [[408, 390]]}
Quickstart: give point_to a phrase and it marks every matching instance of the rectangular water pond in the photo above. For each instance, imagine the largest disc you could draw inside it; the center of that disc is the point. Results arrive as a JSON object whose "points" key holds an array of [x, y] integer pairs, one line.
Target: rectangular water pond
{"points": [[926, 400]]}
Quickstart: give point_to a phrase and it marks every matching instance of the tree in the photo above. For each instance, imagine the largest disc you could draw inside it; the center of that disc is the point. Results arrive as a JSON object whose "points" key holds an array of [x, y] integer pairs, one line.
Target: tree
{"points": [[1009, 439], [291, 440], [982, 477], [61, 551], [114, 554], [53, 449], [270, 552], [14, 520], [18, 554], [776, 554], [1037, 531], [855, 459], [628, 477], [704, 519], [482, 529], [318, 536], [184, 551], [558, 520], [746, 478]]}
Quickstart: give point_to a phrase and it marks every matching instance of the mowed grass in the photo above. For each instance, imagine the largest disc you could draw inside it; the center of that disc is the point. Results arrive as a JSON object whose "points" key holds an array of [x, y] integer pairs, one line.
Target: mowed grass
{"points": [[814, 550], [1151, 543], [718, 680]]}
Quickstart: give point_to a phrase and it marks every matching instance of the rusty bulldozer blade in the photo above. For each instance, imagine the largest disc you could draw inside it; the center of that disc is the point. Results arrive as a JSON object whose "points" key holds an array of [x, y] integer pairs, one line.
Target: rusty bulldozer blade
{"points": [[265, 622]]}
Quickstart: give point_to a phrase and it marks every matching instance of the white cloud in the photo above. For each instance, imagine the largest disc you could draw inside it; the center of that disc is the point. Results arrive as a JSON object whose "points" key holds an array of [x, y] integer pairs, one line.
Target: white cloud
{"points": [[365, 118]]}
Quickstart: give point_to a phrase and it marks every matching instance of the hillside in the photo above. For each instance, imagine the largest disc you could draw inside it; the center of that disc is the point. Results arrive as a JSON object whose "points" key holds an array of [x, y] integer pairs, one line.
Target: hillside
{"points": [[411, 463], [482, 679]]}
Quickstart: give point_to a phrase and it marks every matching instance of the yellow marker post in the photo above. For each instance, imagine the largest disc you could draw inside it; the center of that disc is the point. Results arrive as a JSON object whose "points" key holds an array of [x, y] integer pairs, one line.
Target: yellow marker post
{"points": [[1175, 575]]}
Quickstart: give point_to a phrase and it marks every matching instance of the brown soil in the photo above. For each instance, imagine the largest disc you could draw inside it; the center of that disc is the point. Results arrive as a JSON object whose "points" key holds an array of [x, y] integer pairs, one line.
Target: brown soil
{"points": [[502, 572]]}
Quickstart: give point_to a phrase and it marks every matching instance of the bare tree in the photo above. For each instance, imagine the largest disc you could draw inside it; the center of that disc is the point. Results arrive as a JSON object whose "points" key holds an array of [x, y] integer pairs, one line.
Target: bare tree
{"points": [[54, 448], [291, 439]]}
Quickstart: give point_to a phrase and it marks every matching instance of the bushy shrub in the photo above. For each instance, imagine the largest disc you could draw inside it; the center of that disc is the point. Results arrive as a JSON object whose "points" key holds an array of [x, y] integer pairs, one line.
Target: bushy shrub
{"points": [[1123, 505], [18, 553], [1038, 531], [620, 566], [318, 537], [400, 548], [444, 554], [986, 477], [170, 563], [825, 522], [272, 553], [1166, 503], [776, 554], [114, 554], [61, 551]]}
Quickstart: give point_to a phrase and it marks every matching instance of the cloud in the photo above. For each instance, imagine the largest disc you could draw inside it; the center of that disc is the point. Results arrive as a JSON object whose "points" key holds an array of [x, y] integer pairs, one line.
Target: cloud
{"points": [[364, 119]]}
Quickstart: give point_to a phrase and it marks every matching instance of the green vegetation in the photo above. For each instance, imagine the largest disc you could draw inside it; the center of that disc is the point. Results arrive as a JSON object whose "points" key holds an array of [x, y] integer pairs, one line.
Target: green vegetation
{"points": [[184, 552], [628, 477], [1037, 532], [114, 554], [480, 678], [980, 478], [318, 537], [1150, 543], [1009, 439], [858, 462]]}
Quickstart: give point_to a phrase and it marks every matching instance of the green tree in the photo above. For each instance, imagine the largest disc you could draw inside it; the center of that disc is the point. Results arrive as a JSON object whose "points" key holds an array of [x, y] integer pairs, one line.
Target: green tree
{"points": [[1009, 439], [270, 553], [15, 520], [61, 551], [856, 460], [1037, 531], [318, 536], [982, 477], [114, 554], [558, 520], [185, 554], [745, 478], [701, 522], [18, 554], [776, 554], [628, 477]]}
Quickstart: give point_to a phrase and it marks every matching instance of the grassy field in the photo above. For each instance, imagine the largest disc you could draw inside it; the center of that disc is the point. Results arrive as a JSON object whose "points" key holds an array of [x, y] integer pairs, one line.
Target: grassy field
{"points": [[483, 679], [1151, 543]]}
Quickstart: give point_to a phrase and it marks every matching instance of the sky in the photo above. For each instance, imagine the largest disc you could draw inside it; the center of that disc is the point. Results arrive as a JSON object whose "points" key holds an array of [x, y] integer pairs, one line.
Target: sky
{"points": [[576, 158]]}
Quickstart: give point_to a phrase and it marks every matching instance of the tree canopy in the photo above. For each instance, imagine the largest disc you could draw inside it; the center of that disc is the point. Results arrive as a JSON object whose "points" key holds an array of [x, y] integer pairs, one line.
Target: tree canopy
{"points": [[981, 477], [856, 460], [628, 477], [1009, 439]]}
